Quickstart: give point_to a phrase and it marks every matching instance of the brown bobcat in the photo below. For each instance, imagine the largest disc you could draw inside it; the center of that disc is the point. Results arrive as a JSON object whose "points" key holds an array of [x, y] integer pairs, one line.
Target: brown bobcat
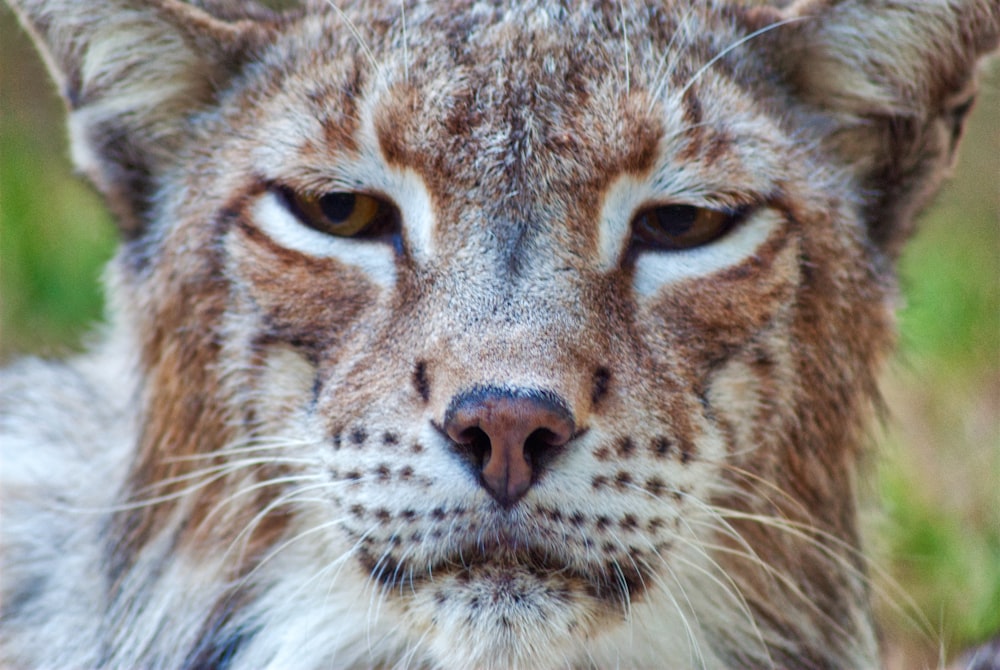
{"points": [[475, 335]]}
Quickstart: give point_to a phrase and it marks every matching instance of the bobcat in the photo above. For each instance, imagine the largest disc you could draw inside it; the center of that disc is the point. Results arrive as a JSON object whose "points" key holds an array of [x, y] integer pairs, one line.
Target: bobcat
{"points": [[475, 335]]}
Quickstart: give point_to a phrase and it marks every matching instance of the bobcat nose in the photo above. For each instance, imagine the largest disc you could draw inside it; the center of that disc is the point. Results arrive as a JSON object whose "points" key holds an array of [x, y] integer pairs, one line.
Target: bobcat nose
{"points": [[509, 435]]}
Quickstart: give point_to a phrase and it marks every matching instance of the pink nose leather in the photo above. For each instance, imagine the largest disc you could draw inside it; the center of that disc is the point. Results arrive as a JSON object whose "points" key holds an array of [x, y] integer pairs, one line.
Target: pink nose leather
{"points": [[509, 434]]}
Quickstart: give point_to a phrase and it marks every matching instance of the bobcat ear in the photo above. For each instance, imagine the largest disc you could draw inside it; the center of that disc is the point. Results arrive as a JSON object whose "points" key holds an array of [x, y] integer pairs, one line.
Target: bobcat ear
{"points": [[131, 73], [895, 80]]}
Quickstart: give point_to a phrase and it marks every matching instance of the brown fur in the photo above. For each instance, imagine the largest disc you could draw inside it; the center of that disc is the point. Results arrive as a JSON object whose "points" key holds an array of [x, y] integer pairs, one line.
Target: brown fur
{"points": [[293, 395]]}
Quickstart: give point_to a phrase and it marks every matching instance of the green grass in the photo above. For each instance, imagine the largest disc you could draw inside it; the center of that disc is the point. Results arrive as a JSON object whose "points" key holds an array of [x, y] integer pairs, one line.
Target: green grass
{"points": [[949, 567], [939, 469], [55, 235], [49, 277]]}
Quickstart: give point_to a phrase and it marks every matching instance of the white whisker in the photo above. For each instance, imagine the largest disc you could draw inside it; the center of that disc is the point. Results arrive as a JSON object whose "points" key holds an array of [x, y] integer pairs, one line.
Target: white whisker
{"points": [[326, 525], [406, 54], [660, 79], [628, 83], [247, 445], [689, 630], [735, 45], [357, 38], [293, 496]]}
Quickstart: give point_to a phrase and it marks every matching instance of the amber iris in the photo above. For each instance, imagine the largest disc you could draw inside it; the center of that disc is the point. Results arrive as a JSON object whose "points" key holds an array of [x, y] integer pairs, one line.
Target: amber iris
{"points": [[675, 227], [341, 214]]}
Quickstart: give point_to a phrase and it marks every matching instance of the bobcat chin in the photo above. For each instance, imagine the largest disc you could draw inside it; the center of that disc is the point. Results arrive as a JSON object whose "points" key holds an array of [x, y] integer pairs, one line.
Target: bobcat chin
{"points": [[475, 335]]}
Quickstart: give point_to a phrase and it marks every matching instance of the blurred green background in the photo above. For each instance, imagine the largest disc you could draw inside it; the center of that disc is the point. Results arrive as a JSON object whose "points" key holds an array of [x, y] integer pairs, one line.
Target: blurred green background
{"points": [[935, 519]]}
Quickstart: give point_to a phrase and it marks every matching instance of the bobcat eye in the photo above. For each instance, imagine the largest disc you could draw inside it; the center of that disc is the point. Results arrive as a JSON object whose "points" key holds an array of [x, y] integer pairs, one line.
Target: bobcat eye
{"points": [[675, 227], [341, 214]]}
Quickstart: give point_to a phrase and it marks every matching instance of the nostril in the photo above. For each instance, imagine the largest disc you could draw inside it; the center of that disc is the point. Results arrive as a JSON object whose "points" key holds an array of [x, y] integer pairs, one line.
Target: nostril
{"points": [[542, 446], [477, 444], [508, 435]]}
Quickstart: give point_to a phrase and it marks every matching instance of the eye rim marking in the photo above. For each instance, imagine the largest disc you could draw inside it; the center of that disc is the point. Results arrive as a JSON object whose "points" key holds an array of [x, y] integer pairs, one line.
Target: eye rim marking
{"points": [[377, 258], [375, 216], [629, 196], [654, 271], [695, 226]]}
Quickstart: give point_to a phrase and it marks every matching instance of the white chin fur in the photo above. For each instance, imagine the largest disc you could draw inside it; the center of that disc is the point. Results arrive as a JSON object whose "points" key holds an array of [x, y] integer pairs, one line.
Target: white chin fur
{"points": [[376, 259]]}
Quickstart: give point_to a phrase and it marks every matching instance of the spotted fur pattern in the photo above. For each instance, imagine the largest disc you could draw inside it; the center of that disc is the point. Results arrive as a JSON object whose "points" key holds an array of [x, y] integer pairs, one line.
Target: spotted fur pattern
{"points": [[251, 470]]}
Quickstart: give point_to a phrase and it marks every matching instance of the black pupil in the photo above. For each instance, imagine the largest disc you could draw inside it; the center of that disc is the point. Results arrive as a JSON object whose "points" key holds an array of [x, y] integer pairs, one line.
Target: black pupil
{"points": [[675, 220], [337, 206]]}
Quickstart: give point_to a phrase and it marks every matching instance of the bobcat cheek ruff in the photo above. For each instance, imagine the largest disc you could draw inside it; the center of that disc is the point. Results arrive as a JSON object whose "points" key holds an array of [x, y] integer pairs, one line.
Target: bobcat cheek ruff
{"points": [[475, 336]]}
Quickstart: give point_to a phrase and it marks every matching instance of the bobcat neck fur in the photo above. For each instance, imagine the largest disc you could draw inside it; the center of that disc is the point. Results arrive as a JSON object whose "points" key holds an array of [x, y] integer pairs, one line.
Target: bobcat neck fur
{"points": [[523, 416]]}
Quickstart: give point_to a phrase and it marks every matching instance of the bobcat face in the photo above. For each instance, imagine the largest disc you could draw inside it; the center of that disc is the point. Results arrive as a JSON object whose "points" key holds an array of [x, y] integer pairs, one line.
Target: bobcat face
{"points": [[507, 337], [520, 414]]}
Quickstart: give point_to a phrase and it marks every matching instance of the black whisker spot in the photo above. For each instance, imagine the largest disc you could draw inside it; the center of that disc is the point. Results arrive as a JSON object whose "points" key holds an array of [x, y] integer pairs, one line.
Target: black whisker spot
{"points": [[661, 447], [601, 382], [420, 381]]}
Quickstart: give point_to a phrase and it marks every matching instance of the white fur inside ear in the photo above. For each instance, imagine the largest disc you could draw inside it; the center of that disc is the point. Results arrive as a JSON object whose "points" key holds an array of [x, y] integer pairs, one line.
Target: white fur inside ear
{"points": [[375, 258], [655, 269]]}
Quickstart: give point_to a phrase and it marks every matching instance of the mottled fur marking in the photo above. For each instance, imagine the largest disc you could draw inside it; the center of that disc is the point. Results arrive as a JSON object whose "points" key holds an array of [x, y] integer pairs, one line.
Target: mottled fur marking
{"points": [[253, 467]]}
